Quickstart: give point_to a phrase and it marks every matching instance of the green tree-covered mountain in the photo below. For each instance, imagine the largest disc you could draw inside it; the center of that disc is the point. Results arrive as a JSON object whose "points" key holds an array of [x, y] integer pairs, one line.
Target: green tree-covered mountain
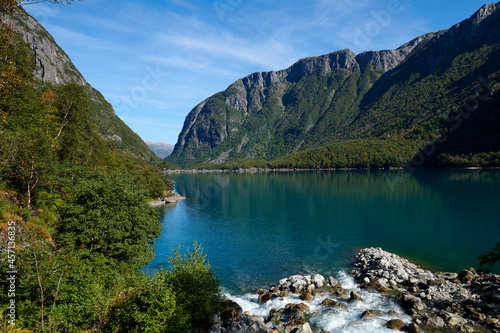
{"points": [[411, 95], [54, 66]]}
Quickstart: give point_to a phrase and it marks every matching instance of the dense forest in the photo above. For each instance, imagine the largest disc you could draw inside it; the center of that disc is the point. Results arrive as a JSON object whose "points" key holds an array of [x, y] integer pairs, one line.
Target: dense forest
{"points": [[75, 223]]}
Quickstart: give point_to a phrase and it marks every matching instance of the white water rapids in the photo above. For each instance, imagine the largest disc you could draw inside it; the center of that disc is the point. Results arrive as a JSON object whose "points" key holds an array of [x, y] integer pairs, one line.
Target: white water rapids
{"points": [[334, 321]]}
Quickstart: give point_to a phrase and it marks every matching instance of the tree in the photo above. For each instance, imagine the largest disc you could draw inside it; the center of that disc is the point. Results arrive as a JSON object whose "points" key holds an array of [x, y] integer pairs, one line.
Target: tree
{"points": [[183, 297], [108, 213], [32, 160], [196, 286], [149, 308], [488, 260]]}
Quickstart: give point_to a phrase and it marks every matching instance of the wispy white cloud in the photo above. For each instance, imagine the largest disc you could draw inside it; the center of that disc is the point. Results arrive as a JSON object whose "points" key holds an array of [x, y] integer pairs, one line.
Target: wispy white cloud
{"points": [[152, 123], [194, 65], [183, 3], [267, 53], [62, 34]]}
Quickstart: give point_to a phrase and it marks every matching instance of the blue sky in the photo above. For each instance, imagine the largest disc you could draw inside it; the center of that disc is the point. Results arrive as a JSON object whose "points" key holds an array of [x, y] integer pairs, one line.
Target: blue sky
{"points": [[155, 60]]}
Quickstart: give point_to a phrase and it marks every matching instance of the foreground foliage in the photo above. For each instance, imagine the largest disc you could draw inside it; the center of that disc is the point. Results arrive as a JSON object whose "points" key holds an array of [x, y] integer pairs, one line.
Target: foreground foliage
{"points": [[488, 260], [177, 299], [74, 215]]}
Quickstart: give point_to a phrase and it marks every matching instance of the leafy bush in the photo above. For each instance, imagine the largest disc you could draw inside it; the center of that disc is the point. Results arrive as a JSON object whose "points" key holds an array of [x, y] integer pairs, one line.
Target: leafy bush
{"points": [[109, 214], [488, 260], [149, 308], [183, 297], [57, 290], [196, 286]]}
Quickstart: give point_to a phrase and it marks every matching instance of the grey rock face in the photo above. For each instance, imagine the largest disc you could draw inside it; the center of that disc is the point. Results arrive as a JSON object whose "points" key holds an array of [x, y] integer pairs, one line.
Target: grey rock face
{"points": [[54, 66], [249, 94], [387, 60], [52, 62]]}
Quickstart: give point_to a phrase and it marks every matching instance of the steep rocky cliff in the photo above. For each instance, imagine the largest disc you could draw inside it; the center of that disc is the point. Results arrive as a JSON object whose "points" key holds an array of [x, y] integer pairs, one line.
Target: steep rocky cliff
{"points": [[55, 67], [340, 95]]}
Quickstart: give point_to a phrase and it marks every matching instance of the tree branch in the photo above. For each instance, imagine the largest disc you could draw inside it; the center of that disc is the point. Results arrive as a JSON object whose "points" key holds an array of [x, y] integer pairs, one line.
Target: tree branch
{"points": [[41, 289]]}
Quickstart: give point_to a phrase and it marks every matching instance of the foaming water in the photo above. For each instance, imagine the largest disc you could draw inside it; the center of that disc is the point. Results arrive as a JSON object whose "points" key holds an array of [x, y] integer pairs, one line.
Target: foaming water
{"points": [[334, 320]]}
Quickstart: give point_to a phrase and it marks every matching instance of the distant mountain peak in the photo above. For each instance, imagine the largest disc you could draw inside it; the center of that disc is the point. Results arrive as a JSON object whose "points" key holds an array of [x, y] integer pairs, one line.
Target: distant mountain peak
{"points": [[484, 12], [161, 149]]}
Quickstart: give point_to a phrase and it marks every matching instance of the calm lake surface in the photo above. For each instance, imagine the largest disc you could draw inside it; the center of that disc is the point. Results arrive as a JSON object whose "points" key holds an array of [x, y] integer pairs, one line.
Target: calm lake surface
{"points": [[257, 228]]}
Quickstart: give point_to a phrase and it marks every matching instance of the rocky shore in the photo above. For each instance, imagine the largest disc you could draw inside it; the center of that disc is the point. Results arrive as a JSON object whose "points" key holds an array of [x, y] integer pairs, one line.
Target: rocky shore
{"points": [[172, 197], [448, 302], [428, 302]]}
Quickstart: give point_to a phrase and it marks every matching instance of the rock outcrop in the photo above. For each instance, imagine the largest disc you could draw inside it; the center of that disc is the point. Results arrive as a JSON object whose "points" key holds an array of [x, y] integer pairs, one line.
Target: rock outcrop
{"points": [[53, 64], [463, 302], [435, 301]]}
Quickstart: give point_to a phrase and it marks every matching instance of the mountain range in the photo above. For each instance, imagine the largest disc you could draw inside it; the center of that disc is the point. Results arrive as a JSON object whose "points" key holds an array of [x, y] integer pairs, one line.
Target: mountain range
{"points": [[161, 149], [439, 90]]}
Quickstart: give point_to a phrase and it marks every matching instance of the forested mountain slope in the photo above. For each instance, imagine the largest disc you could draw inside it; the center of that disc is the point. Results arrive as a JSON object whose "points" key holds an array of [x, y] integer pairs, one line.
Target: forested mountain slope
{"points": [[410, 93], [54, 66]]}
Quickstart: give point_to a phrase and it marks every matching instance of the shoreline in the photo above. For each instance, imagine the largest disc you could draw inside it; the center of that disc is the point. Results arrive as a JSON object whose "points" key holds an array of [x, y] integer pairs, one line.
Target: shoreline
{"points": [[258, 170], [428, 301], [169, 199]]}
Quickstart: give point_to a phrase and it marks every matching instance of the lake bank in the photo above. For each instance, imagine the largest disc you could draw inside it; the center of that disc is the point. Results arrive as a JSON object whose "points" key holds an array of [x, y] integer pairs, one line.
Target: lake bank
{"points": [[257, 170], [385, 292], [169, 199]]}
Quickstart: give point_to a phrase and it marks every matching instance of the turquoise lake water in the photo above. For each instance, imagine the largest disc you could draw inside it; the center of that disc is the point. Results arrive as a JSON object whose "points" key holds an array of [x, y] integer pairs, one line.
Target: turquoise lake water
{"points": [[257, 228]]}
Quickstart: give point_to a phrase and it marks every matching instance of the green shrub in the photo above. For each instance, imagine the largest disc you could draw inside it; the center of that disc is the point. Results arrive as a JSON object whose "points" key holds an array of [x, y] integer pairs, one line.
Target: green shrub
{"points": [[109, 214], [177, 299], [196, 286], [150, 308]]}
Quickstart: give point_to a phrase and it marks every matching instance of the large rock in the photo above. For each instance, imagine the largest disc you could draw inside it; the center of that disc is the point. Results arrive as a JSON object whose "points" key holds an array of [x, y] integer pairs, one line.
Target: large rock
{"points": [[355, 296], [453, 319], [466, 276], [433, 322], [319, 280], [306, 296], [334, 304], [413, 303], [368, 315], [296, 311], [334, 283], [396, 324], [263, 298], [298, 328], [258, 328], [299, 307]]}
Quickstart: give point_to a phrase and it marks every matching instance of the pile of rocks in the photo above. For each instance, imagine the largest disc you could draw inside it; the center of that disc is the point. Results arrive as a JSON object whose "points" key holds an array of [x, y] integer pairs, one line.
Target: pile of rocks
{"points": [[233, 320], [437, 302], [307, 286], [293, 317], [463, 302]]}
